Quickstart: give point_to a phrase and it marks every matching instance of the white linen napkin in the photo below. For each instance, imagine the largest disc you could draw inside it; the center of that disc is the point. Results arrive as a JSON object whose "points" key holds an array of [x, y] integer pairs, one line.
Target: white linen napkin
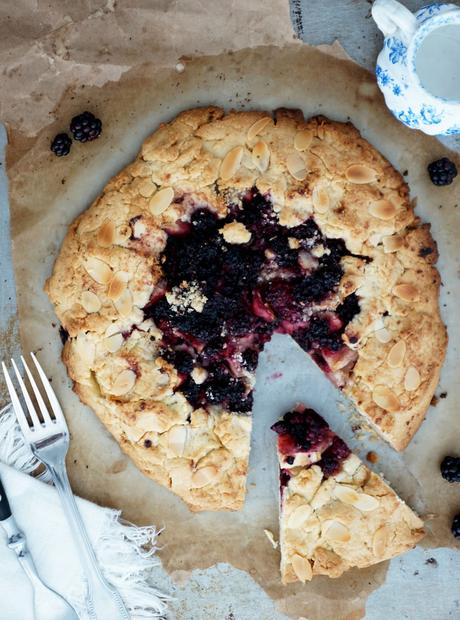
{"points": [[125, 552]]}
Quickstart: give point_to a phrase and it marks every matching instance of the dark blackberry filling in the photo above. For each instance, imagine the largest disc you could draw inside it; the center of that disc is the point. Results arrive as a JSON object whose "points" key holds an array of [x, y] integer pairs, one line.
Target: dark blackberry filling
{"points": [[303, 430], [251, 291]]}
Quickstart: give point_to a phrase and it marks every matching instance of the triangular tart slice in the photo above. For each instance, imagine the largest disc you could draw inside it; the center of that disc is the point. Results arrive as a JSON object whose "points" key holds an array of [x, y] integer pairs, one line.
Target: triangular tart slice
{"points": [[335, 512]]}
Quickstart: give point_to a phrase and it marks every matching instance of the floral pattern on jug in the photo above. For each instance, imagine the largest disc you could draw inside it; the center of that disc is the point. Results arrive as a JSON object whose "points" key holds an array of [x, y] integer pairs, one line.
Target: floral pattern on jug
{"points": [[396, 72]]}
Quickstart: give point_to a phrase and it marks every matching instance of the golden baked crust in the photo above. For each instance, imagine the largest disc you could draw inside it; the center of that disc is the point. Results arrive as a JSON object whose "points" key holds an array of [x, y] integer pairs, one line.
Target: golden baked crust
{"points": [[351, 519], [109, 266]]}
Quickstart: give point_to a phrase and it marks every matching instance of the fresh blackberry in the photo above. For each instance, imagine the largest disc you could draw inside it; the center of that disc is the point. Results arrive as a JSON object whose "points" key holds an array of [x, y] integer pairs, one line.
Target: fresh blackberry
{"points": [[85, 127], [250, 359], [332, 457], [181, 360], [450, 468], [456, 526], [349, 308], [203, 221], [442, 171], [61, 145], [191, 391]]}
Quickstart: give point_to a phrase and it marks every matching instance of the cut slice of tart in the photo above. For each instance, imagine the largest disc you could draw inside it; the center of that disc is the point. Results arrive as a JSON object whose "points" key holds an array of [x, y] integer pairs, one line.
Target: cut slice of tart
{"points": [[335, 513]]}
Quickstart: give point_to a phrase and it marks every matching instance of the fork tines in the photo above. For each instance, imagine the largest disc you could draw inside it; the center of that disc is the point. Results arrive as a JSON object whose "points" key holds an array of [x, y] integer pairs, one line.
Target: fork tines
{"points": [[34, 423]]}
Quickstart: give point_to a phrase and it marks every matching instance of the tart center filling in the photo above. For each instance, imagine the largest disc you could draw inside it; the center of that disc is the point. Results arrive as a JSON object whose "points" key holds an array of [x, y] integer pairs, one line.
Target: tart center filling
{"points": [[230, 283]]}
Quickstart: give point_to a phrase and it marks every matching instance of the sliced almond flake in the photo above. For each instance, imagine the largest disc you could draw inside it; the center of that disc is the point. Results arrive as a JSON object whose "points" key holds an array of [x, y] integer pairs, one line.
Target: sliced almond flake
{"points": [[124, 383], [396, 355], [204, 476], [382, 210], [106, 234], [412, 379], [90, 302], [124, 303], [302, 567], [257, 127], [177, 438], [336, 531], [303, 139], [113, 343], [366, 503], [296, 166], [146, 188], [406, 292], [271, 538], [299, 515], [385, 398], [117, 285], [261, 156], [380, 540], [345, 494], [231, 163], [383, 335], [360, 174], [161, 200], [392, 244], [99, 271], [320, 200]]}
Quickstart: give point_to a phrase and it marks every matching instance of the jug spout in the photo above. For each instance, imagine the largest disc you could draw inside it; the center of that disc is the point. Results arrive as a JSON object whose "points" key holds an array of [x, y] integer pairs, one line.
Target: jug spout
{"points": [[394, 19]]}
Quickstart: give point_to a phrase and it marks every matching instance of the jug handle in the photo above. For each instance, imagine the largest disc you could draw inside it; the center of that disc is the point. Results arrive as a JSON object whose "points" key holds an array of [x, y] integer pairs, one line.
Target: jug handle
{"points": [[390, 15]]}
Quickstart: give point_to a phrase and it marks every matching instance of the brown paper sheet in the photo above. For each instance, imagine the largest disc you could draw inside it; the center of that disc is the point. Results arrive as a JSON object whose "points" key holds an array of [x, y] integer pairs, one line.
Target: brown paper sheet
{"points": [[132, 92]]}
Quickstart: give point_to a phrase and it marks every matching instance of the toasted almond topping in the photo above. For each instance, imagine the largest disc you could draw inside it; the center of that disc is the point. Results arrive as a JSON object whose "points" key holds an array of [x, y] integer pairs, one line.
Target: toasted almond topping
{"points": [[204, 476], [177, 437], [385, 398], [396, 355], [345, 494], [124, 303], [303, 139], [320, 200], [383, 335], [117, 285], [231, 162], [113, 343], [261, 156], [296, 166], [382, 210], [146, 188], [302, 567], [336, 531], [161, 200], [392, 244], [235, 232], [406, 292], [366, 503], [257, 127], [380, 540], [360, 174], [99, 271], [299, 515], [199, 375], [106, 234], [124, 383], [90, 302], [271, 538], [412, 379]]}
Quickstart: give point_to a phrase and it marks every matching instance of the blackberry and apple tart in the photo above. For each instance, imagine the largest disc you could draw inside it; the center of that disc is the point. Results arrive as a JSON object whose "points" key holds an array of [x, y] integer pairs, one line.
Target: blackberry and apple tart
{"points": [[227, 228]]}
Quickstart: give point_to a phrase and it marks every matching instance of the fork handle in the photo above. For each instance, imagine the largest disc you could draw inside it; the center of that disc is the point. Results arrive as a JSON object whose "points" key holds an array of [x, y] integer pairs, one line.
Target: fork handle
{"points": [[102, 600]]}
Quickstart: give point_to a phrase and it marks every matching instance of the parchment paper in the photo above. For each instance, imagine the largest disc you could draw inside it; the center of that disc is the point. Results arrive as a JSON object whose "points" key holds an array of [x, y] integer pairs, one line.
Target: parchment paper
{"points": [[46, 195]]}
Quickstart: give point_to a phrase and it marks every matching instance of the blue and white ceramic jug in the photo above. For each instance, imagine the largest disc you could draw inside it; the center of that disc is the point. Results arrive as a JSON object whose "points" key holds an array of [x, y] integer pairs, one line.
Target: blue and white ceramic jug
{"points": [[418, 69]]}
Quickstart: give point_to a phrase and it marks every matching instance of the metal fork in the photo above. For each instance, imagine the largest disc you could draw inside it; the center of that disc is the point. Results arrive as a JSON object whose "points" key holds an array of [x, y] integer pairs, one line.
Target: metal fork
{"points": [[49, 442]]}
